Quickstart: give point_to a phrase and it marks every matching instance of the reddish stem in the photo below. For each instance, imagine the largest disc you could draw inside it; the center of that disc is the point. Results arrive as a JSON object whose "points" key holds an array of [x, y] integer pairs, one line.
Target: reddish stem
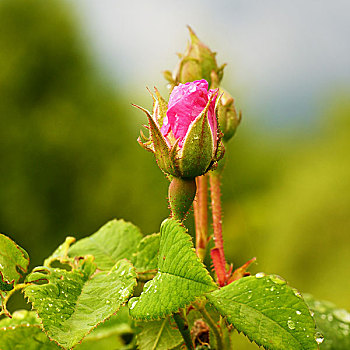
{"points": [[217, 224], [200, 206]]}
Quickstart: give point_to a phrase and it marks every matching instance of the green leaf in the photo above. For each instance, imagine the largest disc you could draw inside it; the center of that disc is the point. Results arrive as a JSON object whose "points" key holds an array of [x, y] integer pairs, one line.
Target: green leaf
{"points": [[72, 303], [114, 241], [110, 334], [14, 262], [61, 253], [158, 335], [23, 332], [146, 258], [268, 311], [332, 323], [180, 279]]}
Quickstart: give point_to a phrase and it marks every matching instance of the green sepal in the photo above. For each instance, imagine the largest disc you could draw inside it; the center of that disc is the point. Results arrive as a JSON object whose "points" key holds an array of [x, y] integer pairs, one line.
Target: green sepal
{"points": [[162, 107], [159, 145], [198, 148]]}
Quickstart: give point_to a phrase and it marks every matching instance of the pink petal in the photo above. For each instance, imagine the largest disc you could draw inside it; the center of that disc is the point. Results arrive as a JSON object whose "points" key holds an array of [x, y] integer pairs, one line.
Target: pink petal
{"points": [[186, 102]]}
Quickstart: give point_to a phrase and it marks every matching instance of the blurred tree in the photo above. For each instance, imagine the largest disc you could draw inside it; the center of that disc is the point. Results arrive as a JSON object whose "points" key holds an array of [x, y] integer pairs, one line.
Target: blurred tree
{"points": [[69, 160], [298, 222]]}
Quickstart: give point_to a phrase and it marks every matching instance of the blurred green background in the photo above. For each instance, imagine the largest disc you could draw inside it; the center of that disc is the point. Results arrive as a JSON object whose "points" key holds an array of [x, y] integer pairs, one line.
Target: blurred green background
{"points": [[70, 160]]}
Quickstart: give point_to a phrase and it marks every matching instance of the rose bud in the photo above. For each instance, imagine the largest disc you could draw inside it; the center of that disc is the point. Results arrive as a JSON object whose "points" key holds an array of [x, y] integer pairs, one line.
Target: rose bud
{"points": [[184, 134], [228, 117], [198, 62]]}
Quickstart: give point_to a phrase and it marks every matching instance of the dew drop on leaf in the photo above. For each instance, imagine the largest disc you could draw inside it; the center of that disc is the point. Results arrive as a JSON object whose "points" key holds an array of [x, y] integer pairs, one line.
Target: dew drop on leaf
{"points": [[319, 338], [277, 279], [298, 312], [297, 293], [291, 324], [260, 275]]}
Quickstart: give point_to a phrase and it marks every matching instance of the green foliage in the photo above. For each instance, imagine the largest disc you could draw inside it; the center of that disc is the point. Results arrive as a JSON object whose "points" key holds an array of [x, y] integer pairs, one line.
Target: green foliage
{"points": [[158, 335], [72, 303], [109, 334], [146, 257], [180, 279], [268, 311], [23, 332], [114, 241], [332, 323], [14, 262]]}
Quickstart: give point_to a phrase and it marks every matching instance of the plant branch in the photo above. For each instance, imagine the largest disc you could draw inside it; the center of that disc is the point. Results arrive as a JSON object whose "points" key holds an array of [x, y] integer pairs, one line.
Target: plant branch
{"points": [[200, 206], [183, 328], [215, 182], [214, 327]]}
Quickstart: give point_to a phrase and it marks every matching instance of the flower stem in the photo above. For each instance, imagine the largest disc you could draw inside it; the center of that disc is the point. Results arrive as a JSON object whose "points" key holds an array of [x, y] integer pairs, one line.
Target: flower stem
{"points": [[214, 179], [215, 329], [200, 206], [183, 328], [181, 195]]}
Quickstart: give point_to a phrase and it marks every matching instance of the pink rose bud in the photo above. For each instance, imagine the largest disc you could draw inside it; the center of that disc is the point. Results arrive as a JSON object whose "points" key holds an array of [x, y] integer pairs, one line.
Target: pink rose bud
{"points": [[184, 134]]}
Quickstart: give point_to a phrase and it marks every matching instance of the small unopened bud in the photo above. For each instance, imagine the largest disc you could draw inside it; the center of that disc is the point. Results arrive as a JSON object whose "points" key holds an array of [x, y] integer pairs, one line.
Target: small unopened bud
{"points": [[198, 62], [227, 114]]}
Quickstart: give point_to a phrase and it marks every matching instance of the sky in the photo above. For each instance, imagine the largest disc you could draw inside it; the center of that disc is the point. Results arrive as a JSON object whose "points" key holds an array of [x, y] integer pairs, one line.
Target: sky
{"points": [[284, 58]]}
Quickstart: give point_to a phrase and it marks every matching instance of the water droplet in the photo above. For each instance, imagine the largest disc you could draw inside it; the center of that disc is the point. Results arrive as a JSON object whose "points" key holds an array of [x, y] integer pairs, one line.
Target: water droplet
{"points": [[260, 275], [342, 315], [133, 304], [297, 293], [319, 338], [298, 312], [272, 288], [277, 279], [330, 317], [291, 324], [122, 273], [50, 304], [312, 313], [108, 301]]}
